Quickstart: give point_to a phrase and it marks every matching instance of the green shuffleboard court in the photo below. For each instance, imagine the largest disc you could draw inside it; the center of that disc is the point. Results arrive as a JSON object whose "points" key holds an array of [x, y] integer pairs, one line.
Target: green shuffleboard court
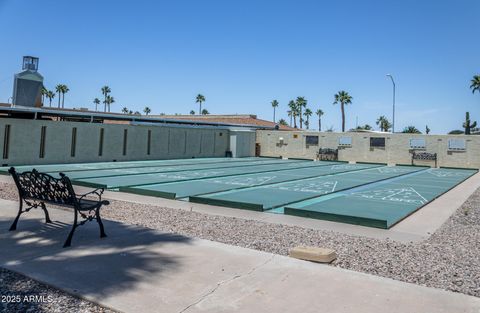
{"points": [[74, 175], [383, 204], [198, 187], [55, 168], [276, 195], [112, 182]]}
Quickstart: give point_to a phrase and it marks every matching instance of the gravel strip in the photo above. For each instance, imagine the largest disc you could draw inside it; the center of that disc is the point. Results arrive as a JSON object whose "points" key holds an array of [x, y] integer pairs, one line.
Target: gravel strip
{"points": [[449, 259]]}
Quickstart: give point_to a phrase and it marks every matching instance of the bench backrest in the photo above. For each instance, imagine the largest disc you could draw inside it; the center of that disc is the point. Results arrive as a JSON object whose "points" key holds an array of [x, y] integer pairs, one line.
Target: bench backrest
{"points": [[424, 156], [44, 187], [327, 154]]}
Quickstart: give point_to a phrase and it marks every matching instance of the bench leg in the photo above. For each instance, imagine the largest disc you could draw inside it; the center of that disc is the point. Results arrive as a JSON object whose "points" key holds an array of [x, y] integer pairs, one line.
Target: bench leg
{"points": [[47, 216], [68, 242], [100, 224], [14, 225]]}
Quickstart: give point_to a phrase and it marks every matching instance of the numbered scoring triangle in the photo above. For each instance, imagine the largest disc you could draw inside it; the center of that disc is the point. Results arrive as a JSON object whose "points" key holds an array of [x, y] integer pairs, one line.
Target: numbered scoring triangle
{"points": [[405, 195]]}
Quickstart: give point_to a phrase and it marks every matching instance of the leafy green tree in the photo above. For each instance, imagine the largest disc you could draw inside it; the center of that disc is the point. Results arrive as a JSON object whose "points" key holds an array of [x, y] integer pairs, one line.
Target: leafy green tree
{"points": [[200, 99], [205, 112], [307, 115], [105, 92], [294, 111], [456, 132], [319, 112], [147, 110], [50, 95], [468, 125], [301, 104], [343, 98], [274, 106], [282, 122], [362, 127], [192, 112], [411, 130], [475, 84], [125, 110], [383, 123], [96, 101]]}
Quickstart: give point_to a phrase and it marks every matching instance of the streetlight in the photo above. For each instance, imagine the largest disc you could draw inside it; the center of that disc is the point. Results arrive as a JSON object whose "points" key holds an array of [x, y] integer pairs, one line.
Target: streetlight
{"points": [[393, 118]]}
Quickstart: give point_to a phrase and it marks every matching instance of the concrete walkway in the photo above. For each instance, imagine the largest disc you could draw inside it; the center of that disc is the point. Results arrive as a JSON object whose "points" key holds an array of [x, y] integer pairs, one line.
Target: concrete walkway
{"points": [[142, 270]]}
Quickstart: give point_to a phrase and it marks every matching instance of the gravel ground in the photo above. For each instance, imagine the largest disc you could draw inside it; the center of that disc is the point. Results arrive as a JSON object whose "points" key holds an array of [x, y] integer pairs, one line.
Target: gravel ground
{"points": [[449, 259]]}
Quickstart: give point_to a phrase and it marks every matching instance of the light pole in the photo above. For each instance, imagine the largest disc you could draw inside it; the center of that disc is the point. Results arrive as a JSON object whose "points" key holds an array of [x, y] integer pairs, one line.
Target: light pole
{"points": [[393, 118]]}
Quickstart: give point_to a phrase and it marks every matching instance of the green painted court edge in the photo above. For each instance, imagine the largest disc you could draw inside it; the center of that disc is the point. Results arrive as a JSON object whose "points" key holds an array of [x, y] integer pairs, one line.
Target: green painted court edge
{"points": [[201, 167], [97, 185], [121, 164], [369, 222], [172, 195], [255, 206]]}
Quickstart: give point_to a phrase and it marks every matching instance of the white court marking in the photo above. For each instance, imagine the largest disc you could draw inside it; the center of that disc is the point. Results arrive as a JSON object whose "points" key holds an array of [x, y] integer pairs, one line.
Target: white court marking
{"points": [[406, 195], [245, 181], [345, 167], [310, 187], [392, 170], [440, 173]]}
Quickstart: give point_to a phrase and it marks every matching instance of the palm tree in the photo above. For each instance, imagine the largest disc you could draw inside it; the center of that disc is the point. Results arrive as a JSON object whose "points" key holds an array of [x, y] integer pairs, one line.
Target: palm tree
{"points": [[96, 101], [290, 114], [147, 110], [319, 113], [205, 112], [427, 129], [64, 91], [192, 112], [50, 95], [109, 100], [58, 89], [200, 99], [44, 94], [293, 108], [343, 98], [125, 110], [105, 92], [301, 103], [307, 115], [475, 86], [411, 130], [384, 124], [274, 106]]}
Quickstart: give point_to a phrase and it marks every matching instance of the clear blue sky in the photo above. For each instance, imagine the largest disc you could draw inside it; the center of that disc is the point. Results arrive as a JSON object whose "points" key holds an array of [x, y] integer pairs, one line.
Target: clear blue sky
{"points": [[243, 54]]}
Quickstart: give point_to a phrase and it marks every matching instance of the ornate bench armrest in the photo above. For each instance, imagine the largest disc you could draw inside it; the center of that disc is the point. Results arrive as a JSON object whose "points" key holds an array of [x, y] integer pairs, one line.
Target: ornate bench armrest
{"points": [[98, 192]]}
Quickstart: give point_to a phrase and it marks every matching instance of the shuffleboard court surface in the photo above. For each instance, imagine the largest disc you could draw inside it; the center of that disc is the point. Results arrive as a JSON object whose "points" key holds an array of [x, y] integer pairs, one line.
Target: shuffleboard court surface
{"points": [[276, 195], [168, 168], [384, 204], [192, 188], [55, 168], [156, 178]]}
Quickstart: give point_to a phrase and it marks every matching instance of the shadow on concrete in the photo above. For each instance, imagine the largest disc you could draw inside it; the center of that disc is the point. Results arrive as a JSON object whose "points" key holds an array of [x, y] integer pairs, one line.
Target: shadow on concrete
{"points": [[92, 266]]}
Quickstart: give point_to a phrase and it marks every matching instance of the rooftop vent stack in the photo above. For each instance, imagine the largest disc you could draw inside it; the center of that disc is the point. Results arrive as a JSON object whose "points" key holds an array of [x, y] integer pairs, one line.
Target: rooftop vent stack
{"points": [[27, 85]]}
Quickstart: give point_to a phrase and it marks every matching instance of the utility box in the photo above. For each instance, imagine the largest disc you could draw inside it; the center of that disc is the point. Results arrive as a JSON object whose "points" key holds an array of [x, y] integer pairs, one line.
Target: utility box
{"points": [[27, 85]]}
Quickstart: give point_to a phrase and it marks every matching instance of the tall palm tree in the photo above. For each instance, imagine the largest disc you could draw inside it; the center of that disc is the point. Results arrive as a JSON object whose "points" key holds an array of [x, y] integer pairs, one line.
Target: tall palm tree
{"points": [[64, 91], [301, 103], [290, 114], [200, 99], [274, 106], [205, 112], [105, 92], [58, 89], [50, 95], [125, 110], [475, 86], [343, 98], [307, 115], [109, 100], [293, 108], [319, 113], [96, 101], [147, 110], [44, 94]]}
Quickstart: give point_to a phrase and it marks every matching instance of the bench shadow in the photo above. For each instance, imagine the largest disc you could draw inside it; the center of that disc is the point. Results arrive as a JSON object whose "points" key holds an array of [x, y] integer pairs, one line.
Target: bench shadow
{"points": [[93, 267]]}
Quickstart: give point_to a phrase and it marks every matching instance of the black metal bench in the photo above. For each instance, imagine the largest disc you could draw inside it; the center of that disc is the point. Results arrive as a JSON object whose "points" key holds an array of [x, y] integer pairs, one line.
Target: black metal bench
{"points": [[424, 156], [327, 154], [36, 189]]}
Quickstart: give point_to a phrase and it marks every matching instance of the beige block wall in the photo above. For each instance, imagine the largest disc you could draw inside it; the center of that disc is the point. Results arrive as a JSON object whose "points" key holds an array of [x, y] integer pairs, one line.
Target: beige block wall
{"points": [[167, 142], [396, 151]]}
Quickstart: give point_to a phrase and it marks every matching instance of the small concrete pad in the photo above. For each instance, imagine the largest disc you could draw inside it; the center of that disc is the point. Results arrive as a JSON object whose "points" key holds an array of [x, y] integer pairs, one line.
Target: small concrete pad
{"points": [[315, 254]]}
